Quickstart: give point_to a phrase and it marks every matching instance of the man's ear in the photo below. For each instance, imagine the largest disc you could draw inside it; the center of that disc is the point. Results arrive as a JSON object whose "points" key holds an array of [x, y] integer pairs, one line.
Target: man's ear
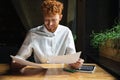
{"points": [[60, 17]]}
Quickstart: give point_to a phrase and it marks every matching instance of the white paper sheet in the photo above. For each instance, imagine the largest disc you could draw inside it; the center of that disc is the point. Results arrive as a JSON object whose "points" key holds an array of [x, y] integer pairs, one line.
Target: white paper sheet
{"points": [[24, 62], [65, 59]]}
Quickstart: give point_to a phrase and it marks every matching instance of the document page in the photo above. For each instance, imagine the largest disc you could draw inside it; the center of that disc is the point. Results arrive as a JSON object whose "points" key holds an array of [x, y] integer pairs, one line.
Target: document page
{"points": [[24, 62], [64, 59]]}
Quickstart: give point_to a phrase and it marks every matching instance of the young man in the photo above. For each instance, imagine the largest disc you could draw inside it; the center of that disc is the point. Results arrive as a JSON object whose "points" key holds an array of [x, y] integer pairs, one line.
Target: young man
{"points": [[51, 38]]}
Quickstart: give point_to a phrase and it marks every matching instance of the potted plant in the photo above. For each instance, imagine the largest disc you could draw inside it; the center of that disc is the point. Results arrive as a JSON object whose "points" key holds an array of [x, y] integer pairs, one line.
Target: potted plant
{"points": [[108, 42]]}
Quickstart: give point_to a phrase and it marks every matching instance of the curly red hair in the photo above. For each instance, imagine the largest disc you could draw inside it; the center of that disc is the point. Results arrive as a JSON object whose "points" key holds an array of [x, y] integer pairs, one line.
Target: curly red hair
{"points": [[51, 7]]}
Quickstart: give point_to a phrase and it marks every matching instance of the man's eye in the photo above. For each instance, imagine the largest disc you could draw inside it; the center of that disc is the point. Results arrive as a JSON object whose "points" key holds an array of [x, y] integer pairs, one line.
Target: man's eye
{"points": [[46, 20], [54, 20]]}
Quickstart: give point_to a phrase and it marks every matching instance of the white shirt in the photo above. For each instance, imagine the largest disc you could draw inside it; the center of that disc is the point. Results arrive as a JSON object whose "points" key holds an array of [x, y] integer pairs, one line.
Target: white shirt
{"points": [[43, 43]]}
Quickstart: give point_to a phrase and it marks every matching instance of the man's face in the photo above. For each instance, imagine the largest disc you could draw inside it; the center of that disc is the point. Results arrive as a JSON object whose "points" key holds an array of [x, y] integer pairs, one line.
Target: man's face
{"points": [[51, 22]]}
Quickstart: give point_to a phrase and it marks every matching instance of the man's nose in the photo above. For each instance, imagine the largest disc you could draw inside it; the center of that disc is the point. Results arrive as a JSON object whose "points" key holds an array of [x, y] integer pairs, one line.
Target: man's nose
{"points": [[50, 23]]}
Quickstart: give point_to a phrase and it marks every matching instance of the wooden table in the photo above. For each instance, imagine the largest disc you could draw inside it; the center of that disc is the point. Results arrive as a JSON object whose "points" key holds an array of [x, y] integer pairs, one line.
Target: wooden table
{"points": [[54, 72]]}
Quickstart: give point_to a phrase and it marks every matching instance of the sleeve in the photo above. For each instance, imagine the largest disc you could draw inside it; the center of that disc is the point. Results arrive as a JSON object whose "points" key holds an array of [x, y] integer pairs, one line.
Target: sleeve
{"points": [[70, 44], [26, 49]]}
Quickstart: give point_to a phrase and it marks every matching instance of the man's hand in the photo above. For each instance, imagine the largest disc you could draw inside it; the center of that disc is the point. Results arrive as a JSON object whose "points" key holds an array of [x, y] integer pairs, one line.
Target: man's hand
{"points": [[78, 64], [16, 67]]}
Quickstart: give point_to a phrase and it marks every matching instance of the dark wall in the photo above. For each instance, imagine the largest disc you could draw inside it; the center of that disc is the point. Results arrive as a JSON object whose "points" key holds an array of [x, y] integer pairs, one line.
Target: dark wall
{"points": [[12, 30], [64, 19]]}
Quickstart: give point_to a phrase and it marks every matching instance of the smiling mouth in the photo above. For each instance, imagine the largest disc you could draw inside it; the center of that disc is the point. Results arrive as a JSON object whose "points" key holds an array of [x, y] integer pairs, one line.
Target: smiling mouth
{"points": [[52, 29]]}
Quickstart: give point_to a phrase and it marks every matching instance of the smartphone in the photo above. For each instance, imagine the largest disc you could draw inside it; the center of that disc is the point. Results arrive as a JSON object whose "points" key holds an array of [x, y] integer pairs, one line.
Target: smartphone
{"points": [[87, 68]]}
